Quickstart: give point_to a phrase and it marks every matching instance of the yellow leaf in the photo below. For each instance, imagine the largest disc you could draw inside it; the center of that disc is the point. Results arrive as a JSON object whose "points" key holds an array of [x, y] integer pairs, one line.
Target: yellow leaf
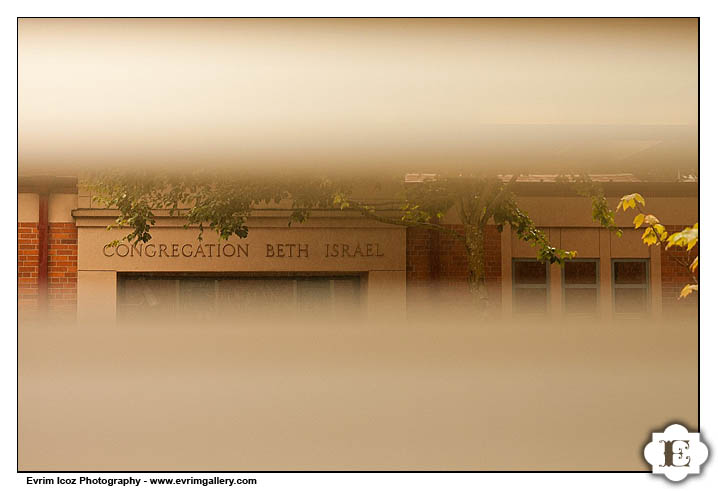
{"points": [[651, 220], [629, 201], [638, 221], [687, 290], [688, 238], [694, 265], [649, 237]]}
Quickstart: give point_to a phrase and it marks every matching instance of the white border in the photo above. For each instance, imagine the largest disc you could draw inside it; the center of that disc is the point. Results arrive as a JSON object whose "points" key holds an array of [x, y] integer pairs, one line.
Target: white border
{"points": [[709, 208]]}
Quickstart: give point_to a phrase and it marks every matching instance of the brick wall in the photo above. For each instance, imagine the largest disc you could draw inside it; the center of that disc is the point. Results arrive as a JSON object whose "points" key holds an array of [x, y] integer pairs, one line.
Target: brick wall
{"points": [[61, 269], [447, 283], [437, 268], [675, 275], [418, 261], [27, 266]]}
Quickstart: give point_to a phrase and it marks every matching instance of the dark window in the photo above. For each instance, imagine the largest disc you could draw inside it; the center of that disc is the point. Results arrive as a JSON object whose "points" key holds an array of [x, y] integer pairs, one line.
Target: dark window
{"points": [[630, 272], [529, 272], [256, 295], [580, 286], [530, 286], [191, 297], [630, 286]]}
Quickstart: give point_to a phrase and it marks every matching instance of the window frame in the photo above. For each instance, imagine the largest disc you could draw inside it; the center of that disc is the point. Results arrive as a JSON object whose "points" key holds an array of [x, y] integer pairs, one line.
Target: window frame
{"points": [[514, 285], [596, 285], [645, 286]]}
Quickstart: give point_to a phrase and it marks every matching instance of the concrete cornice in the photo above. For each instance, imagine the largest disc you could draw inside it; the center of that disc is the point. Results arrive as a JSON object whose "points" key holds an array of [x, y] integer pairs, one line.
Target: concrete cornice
{"points": [[279, 218]]}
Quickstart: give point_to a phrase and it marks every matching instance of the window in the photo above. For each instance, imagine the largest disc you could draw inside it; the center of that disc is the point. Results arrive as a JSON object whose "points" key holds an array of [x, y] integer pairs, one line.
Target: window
{"points": [[193, 297], [530, 286], [580, 286], [630, 286]]}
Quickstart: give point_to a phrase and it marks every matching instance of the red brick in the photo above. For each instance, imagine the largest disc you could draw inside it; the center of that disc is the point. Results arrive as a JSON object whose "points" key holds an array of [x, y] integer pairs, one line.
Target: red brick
{"points": [[675, 276]]}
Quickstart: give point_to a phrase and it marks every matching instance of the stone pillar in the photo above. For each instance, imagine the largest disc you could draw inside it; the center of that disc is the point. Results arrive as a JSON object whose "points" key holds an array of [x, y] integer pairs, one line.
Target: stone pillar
{"points": [[605, 274], [555, 278], [506, 273], [655, 286], [96, 298], [386, 296]]}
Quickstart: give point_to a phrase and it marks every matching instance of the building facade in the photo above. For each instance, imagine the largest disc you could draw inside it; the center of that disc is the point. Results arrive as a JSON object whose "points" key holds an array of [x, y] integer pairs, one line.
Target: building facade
{"points": [[341, 263]]}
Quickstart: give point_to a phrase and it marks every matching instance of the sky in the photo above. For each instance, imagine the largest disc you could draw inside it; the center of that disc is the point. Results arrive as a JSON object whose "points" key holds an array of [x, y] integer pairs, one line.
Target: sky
{"points": [[416, 94]]}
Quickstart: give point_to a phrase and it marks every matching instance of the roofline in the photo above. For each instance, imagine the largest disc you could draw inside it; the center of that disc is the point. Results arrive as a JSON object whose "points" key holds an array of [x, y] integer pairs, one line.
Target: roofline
{"points": [[47, 184], [646, 188], [68, 184]]}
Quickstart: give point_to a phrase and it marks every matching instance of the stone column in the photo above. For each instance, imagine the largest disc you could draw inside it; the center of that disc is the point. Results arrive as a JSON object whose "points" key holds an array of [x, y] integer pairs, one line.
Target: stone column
{"points": [[96, 298], [386, 296]]}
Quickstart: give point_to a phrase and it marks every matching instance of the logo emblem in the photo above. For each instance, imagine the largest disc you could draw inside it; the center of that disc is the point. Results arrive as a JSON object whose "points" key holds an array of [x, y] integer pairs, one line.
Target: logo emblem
{"points": [[676, 453]]}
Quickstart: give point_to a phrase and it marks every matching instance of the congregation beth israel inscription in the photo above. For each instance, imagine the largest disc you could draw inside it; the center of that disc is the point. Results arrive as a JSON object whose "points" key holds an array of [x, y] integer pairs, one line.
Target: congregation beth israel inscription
{"points": [[228, 249], [267, 249]]}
